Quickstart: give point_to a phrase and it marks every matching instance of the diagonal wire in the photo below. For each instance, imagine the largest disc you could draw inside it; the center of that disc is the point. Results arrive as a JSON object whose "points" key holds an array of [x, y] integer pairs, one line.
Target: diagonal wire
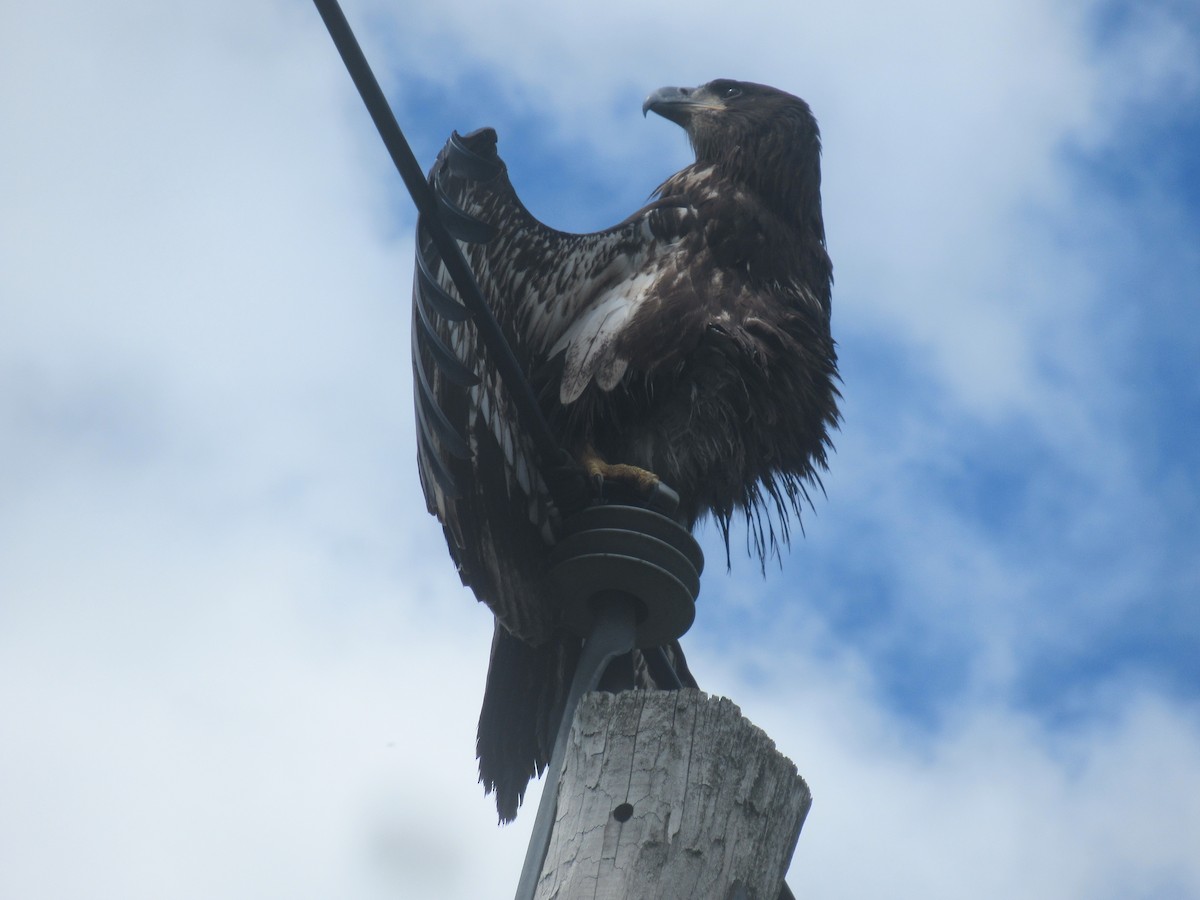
{"points": [[549, 451]]}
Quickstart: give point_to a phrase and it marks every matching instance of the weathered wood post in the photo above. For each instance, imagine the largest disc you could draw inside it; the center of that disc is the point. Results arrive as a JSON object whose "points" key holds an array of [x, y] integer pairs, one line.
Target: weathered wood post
{"points": [[653, 794], [671, 794]]}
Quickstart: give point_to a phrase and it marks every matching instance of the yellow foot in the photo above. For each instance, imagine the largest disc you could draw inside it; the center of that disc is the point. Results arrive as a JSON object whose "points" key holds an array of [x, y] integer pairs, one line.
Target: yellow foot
{"points": [[640, 480]]}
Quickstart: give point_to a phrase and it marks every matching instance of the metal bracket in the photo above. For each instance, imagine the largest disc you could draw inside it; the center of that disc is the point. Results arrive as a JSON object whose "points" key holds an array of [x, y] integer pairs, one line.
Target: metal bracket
{"points": [[613, 634]]}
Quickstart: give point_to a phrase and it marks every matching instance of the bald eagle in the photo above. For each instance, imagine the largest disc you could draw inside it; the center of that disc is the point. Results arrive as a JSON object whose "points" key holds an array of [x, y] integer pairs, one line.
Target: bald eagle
{"points": [[689, 343]]}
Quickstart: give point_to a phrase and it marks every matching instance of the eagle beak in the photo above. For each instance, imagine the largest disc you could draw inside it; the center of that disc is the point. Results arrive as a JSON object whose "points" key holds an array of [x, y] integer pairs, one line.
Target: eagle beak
{"points": [[673, 103]]}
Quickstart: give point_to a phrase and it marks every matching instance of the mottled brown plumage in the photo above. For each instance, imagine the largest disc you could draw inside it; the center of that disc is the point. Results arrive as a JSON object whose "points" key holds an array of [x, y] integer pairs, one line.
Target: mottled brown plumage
{"points": [[691, 340]]}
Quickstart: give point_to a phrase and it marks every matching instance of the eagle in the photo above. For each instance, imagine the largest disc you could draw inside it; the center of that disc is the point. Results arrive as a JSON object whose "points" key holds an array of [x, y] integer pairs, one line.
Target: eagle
{"points": [[689, 345]]}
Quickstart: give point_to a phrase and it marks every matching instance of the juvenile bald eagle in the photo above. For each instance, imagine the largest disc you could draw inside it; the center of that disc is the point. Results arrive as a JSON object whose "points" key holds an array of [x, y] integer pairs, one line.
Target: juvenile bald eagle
{"points": [[689, 343]]}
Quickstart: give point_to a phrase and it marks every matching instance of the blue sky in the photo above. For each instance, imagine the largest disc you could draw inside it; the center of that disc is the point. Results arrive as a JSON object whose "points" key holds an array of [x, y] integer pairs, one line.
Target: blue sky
{"points": [[234, 658]]}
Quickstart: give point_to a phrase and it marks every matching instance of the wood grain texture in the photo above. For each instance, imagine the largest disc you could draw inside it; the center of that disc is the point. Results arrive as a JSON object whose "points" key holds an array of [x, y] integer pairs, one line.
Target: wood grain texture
{"points": [[710, 808]]}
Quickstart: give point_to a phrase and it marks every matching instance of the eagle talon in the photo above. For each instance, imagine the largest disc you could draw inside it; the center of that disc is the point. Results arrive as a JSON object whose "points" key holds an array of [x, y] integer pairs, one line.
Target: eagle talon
{"points": [[642, 482]]}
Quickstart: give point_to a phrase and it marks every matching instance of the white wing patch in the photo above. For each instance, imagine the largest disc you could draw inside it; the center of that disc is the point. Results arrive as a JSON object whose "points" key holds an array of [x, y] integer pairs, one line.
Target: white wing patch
{"points": [[589, 341]]}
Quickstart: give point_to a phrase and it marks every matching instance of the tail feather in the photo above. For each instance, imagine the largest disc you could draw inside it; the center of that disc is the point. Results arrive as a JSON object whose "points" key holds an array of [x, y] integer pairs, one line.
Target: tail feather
{"points": [[522, 705]]}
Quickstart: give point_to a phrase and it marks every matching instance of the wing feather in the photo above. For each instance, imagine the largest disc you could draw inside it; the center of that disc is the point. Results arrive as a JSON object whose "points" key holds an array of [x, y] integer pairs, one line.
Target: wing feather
{"points": [[555, 294]]}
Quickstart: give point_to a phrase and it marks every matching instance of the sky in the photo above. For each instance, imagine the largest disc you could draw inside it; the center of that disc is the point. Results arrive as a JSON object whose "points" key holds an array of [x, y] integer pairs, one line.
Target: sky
{"points": [[235, 660]]}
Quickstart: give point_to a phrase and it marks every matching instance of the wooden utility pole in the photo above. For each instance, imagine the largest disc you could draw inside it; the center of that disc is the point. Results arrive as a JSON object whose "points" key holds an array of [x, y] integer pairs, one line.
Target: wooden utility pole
{"points": [[672, 795]]}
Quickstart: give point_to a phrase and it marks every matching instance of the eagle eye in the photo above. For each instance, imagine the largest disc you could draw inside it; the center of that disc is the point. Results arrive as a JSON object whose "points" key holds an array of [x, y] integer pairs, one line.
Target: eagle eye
{"points": [[730, 92]]}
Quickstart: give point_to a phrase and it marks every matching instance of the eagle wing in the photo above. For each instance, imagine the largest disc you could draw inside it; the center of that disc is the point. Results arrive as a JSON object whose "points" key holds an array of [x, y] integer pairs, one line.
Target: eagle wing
{"points": [[563, 301]]}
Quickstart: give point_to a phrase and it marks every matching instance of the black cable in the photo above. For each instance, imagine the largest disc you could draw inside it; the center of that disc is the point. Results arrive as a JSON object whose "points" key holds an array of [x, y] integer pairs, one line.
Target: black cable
{"points": [[550, 453]]}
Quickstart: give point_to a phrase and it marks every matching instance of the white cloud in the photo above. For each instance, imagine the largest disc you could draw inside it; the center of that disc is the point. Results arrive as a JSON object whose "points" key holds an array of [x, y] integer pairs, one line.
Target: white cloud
{"points": [[993, 804]]}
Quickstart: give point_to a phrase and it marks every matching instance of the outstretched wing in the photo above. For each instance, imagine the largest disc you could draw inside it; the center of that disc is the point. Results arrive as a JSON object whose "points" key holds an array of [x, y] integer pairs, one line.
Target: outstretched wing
{"points": [[563, 301]]}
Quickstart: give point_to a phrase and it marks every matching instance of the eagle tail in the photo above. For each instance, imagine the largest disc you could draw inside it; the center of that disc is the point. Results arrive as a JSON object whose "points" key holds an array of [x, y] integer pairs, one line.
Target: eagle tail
{"points": [[522, 705]]}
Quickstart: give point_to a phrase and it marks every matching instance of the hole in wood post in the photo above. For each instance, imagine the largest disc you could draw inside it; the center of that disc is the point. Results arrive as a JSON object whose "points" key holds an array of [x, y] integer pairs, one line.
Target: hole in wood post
{"points": [[623, 812]]}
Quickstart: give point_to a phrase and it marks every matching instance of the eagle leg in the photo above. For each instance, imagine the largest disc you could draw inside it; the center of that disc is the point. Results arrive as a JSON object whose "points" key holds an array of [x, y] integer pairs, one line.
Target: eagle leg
{"points": [[641, 481]]}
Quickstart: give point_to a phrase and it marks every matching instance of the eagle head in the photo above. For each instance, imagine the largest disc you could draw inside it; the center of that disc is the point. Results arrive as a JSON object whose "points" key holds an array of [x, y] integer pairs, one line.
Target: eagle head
{"points": [[764, 138]]}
